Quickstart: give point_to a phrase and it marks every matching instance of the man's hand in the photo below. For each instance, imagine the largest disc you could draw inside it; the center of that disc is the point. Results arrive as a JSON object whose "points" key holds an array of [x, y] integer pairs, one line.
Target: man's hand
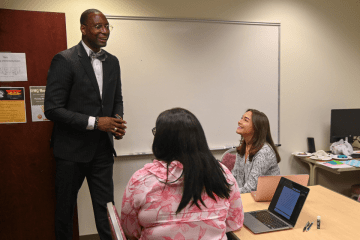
{"points": [[115, 126]]}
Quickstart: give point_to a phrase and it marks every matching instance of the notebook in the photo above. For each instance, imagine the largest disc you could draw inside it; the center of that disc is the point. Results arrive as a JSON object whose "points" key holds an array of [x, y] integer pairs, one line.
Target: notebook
{"points": [[283, 211], [267, 185]]}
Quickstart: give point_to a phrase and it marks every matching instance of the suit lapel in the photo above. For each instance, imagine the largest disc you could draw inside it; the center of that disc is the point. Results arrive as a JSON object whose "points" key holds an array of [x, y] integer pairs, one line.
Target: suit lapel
{"points": [[106, 76], [85, 61]]}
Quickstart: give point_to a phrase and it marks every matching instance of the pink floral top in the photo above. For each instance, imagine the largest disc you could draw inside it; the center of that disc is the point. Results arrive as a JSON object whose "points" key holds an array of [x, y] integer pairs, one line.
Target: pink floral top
{"points": [[149, 207]]}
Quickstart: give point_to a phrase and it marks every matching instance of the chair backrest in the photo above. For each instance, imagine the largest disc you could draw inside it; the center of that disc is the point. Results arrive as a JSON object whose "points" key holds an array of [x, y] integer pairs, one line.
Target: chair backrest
{"points": [[231, 150], [228, 159], [116, 231]]}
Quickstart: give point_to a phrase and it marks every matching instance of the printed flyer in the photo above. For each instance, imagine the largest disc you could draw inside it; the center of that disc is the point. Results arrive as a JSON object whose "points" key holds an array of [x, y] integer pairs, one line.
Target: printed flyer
{"points": [[37, 96], [12, 105], [13, 67]]}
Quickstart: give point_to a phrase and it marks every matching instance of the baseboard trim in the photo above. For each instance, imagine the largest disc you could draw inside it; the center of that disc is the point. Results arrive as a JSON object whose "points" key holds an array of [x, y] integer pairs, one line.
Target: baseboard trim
{"points": [[90, 237]]}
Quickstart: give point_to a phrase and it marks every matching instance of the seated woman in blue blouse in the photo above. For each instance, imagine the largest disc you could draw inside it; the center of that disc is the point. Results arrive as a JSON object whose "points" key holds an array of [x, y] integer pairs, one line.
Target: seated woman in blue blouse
{"points": [[256, 155]]}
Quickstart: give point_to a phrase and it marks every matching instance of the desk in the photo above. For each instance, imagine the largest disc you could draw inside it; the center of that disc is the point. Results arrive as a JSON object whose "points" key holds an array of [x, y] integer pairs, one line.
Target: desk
{"points": [[313, 164], [340, 217]]}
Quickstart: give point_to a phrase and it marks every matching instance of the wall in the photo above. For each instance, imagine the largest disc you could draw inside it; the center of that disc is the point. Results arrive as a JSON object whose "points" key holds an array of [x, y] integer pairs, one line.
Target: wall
{"points": [[320, 59]]}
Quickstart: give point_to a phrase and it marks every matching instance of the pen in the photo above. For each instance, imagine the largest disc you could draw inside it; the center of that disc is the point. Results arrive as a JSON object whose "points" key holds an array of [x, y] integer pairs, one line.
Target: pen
{"points": [[307, 224], [117, 116]]}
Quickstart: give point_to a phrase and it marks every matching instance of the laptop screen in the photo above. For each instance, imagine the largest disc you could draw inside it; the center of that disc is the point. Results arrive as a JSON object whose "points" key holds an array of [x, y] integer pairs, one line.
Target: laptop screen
{"points": [[288, 200]]}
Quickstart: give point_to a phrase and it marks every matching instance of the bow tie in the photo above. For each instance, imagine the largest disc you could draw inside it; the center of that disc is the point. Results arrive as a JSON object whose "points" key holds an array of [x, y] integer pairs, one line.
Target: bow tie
{"points": [[99, 55]]}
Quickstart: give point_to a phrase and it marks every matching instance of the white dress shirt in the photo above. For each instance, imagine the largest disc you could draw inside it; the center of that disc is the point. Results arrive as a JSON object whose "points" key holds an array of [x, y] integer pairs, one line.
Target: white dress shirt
{"points": [[98, 69]]}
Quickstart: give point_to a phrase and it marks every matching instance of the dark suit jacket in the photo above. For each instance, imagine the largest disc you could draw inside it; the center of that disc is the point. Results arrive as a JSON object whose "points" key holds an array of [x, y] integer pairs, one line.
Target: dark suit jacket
{"points": [[72, 95]]}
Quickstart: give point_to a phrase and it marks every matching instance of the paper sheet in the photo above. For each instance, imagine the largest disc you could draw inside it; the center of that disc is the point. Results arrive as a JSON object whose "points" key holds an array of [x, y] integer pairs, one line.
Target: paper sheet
{"points": [[37, 96], [12, 105], [334, 166], [13, 67], [355, 163]]}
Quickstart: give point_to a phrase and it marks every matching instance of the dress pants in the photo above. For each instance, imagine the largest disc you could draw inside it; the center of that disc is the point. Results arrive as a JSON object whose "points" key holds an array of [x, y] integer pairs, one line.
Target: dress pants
{"points": [[69, 178]]}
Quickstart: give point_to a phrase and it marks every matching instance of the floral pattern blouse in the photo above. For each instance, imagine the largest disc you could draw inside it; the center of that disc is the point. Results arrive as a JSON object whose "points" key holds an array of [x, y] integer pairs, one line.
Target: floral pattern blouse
{"points": [[149, 207]]}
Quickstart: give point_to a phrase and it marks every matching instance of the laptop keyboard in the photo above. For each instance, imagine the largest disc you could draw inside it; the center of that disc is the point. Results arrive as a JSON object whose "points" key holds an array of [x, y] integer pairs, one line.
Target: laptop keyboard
{"points": [[269, 220]]}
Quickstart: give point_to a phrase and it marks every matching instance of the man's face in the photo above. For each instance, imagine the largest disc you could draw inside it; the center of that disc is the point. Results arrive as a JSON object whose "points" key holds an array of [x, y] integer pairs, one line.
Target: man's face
{"points": [[96, 31]]}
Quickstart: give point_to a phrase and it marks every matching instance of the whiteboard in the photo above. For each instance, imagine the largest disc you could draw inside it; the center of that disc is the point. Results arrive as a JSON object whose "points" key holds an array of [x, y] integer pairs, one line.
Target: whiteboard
{"points": [[215, 69]]}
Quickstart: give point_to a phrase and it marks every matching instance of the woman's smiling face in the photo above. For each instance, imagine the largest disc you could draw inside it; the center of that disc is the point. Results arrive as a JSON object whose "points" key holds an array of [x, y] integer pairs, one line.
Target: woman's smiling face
{"points": [[245, 125]]}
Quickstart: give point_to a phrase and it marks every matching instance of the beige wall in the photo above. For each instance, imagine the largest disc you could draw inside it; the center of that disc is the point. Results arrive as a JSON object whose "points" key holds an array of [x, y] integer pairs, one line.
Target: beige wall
{"points": [[320, 66]]}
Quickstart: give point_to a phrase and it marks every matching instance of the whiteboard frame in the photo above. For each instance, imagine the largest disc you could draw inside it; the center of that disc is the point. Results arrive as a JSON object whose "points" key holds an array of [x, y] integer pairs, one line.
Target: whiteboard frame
{"points": [[135, 18]]}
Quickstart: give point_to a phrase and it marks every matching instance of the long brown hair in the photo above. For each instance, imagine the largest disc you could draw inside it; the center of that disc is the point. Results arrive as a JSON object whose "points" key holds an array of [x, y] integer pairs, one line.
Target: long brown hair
{"points": [[261, 136]]}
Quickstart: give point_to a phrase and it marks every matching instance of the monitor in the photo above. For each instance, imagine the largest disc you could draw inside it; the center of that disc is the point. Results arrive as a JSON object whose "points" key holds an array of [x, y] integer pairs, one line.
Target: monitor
{"points": [[345, 123]]}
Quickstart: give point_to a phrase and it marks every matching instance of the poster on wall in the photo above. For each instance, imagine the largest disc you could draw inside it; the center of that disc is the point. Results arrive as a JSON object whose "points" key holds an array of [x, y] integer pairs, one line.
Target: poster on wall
{"points": [[12, 105], [37, 96], [12, 67]]}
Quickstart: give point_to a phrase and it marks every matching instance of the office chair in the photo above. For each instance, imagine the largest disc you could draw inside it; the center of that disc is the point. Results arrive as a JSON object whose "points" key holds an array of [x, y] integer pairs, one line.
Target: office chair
{"points": [[355, 191], [232, 236], [116, 231], [228, 158]]}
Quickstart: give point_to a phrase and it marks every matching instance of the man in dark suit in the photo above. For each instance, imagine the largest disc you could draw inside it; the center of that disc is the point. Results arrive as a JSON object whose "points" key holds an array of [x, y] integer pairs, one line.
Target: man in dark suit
{"points": [[83, 96]]}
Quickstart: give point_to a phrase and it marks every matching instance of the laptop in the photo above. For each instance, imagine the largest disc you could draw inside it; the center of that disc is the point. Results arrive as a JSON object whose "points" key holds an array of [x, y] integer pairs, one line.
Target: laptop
{"points": [[283, 211], [267, 185]]}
